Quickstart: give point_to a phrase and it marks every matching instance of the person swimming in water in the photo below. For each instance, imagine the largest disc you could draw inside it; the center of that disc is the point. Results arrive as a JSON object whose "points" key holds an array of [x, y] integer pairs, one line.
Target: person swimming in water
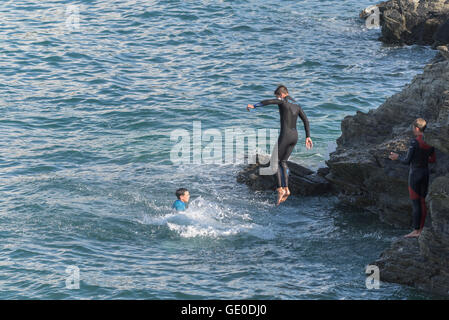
{"points": [[418, 156], [183, 196], [289, 111]]}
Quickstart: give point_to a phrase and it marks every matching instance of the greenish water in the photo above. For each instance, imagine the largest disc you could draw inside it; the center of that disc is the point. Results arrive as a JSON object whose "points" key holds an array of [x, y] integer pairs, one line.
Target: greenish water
{"points": [[86, 176]]}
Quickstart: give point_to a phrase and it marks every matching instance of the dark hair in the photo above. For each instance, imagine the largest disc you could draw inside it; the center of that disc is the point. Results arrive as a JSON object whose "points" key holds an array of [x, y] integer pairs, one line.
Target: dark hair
{"points": [[180, 192], [281, 89]]}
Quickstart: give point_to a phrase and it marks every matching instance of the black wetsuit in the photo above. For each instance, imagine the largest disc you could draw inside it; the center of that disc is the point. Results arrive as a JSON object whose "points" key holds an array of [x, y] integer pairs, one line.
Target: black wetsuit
{"points": [[288, 137], [418, 156]]}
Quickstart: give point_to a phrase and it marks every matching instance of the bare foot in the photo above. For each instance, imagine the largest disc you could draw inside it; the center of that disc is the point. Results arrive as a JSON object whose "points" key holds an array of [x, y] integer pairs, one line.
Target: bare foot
{"points": [[287, 193], [413, 234], [281, 193]]}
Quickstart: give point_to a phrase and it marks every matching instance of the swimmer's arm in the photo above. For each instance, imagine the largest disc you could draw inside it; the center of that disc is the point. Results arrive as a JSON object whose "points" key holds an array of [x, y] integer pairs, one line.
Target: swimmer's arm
{"points": [[304, 119], [411, 150], [268, 102], [264, 103]]}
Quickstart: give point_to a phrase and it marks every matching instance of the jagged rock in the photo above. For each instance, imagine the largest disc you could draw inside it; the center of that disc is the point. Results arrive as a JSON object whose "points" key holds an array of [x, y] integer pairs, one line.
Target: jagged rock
{"points": [[368, 179], [438, 136], [402, 264], [444, 51], [323, 171], [360, 166], [423, 263], [365, 13], [442, 34], [302, 181], [413, 21]]}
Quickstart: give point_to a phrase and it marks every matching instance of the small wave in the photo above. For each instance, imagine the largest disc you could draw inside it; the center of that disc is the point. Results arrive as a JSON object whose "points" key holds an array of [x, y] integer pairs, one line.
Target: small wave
{"points": [[208, 219]]}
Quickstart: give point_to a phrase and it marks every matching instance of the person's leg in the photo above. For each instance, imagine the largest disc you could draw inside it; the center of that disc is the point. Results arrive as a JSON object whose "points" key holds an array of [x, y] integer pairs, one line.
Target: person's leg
{"points": [[284, 177], [415, 196], [424, 184], [285, 169], [416, 206], [282, 149], [286, 143], [280, 174]]}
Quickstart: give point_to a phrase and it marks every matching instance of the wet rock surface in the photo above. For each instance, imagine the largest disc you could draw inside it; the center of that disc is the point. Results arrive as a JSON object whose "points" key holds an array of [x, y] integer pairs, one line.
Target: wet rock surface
{"points": [[423, 262], [360, 166], [413, 21], [360, 162], [302, 181]]}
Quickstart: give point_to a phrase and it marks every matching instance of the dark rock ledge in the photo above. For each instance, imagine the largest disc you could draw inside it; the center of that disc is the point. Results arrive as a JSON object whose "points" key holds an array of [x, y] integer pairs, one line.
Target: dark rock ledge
{"points": [[302, 181]]}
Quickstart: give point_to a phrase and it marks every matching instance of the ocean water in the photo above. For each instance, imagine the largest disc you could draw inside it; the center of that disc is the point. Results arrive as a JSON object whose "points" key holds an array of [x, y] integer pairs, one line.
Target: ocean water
{"points": [[90, 94]]}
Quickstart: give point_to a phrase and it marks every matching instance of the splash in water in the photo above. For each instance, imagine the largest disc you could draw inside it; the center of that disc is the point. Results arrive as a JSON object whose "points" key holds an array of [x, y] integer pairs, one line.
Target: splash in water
{"points": [[207, 219]]}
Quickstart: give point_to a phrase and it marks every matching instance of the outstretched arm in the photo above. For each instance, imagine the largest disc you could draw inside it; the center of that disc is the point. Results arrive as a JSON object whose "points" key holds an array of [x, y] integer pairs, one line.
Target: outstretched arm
{"points": [[302, 115], [408, 158], [264, 103], [411, 150], [268, 102]]}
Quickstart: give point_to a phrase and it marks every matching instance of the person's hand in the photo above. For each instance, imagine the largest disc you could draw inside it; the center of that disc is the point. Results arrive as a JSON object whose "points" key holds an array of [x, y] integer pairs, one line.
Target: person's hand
{"points": [[309, 143], [393, 156], [250, 106]]}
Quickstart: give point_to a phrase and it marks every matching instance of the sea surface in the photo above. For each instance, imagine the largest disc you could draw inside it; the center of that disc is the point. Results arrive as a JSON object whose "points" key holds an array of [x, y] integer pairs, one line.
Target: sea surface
{"points": [[92, 94]]}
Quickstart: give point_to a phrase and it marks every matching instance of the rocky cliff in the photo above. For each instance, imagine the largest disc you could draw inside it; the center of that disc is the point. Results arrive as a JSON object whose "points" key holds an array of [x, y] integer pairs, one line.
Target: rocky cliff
{"points": [[424, 262], [360, 169], [360, 164], [413, 21]]}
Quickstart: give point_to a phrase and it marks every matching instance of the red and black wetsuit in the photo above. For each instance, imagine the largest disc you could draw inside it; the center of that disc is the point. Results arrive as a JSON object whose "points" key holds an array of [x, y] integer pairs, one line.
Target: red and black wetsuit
{"points": [[288, 137], [418, 156]]}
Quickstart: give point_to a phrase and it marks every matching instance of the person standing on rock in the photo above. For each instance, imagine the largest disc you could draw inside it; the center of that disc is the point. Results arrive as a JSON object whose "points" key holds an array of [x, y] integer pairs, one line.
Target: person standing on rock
{"points": [[418, 156], [288, 137]]}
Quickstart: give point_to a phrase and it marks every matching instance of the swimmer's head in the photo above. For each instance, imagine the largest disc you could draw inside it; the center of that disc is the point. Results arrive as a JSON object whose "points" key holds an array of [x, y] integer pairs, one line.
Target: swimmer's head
{"points": [[281, 91], [183, 194], [418, 126]]}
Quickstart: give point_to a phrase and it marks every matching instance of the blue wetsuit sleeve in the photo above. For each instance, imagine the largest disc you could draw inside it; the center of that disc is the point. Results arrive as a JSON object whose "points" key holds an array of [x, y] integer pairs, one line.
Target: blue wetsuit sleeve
{"points": [[409, 156]]}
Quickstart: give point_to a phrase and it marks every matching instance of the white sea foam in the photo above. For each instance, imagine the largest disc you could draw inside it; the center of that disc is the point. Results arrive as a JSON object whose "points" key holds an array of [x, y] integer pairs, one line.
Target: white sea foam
{"points": [[208, 219]]}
